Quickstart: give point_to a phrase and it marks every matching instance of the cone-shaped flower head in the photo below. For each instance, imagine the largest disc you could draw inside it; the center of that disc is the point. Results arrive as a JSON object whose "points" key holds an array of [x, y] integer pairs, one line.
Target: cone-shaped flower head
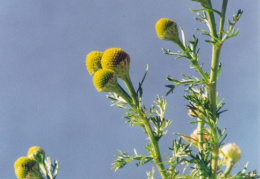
{"points": [[93, 62], [117, 60], [105, 80], [167, 30], [36, 153], [230, 153], [26, 167]]}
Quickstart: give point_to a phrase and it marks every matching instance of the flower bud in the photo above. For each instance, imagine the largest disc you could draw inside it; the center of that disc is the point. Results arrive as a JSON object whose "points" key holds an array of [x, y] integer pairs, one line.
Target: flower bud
{"points": [[93, 62], [230, 154], [37, 153], [167, 30], [105, 80], [117, 60], [26, 167]]}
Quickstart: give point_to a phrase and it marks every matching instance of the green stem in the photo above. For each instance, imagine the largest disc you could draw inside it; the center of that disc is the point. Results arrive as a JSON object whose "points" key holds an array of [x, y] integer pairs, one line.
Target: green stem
{"points": [[121, 92], [228, 170], [200, 131], [212, 86], [157, 157], [155, 143], [130, 87], [222, 18], [213, 79], [211, 21]]}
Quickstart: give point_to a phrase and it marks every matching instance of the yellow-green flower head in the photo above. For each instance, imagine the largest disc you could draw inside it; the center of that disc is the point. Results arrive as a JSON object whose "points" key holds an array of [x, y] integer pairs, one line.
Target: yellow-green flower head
{"points": [[105, 80], [36, 153], [26, 167], [167, 29], [93, 62], [117, 60], [230, 153]]}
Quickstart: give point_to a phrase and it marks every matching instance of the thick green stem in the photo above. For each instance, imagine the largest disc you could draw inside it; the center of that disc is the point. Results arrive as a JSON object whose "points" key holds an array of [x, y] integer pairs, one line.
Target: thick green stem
{"points": [[200, 131], [157, 155], [222, 18], [130, 87], [212, 86], [211, 21], [121, 92], [213, 79], [155, 143], [228, 170]]}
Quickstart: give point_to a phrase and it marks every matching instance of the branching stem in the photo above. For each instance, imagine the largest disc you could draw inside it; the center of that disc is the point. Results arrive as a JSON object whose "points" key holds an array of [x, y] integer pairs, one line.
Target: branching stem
{"points": [[157, 155], [212, 86]]}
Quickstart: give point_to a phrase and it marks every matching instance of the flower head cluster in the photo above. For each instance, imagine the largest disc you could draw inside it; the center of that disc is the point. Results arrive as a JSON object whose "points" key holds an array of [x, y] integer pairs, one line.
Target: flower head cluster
{"points": [[167, 30], [29, 167], [106, 67], [230, 154]]}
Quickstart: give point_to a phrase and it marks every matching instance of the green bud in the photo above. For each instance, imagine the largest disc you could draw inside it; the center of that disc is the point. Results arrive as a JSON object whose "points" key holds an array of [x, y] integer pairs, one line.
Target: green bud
{"points": [[117, 60], [26, 167], [93, 62], [167, 30]]}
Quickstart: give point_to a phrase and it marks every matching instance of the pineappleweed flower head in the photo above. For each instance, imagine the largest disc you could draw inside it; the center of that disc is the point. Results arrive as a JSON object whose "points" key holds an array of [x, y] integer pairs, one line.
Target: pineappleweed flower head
{"points": [[117, 60], [26, 167], [167, 29], [93, 62]]}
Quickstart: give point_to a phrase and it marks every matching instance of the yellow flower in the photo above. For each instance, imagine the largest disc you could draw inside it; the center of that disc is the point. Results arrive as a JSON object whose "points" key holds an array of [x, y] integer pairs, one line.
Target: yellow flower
{"points": [[230, 154], [26, 167], [167, 30], [93, 62], [117, 60], [105, 80], [36, 153]]}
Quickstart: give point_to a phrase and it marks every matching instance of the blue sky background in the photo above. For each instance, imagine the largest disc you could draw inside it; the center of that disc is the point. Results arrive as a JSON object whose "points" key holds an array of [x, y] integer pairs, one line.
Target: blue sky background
{"points": [[47, 97]]}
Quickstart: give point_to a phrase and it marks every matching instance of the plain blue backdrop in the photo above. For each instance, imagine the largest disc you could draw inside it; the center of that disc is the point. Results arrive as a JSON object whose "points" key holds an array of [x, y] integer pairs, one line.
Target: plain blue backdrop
{"points": [[47, 97]]}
